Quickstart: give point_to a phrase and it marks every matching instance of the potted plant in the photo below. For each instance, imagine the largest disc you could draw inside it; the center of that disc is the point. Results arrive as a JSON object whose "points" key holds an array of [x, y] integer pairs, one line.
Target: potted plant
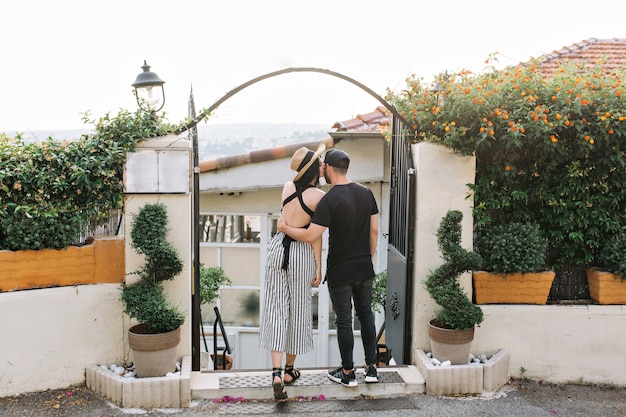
{"points": [[452, 330], [211, 279], [607, 283], [155, 337], [513, 269], [379, 300]]}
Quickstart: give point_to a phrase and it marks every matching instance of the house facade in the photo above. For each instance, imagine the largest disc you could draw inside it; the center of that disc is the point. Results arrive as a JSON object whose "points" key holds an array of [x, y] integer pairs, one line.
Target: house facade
{"points": [[239, 206]]}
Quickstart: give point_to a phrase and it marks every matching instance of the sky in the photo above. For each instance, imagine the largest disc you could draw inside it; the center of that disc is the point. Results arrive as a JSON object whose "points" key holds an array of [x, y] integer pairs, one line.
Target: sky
{"points": [[64, 58]]}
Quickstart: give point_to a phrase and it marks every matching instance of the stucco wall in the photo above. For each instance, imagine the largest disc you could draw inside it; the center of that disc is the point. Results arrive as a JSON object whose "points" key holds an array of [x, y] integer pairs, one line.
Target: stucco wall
{"points": [[48, 336], [558, 343]]}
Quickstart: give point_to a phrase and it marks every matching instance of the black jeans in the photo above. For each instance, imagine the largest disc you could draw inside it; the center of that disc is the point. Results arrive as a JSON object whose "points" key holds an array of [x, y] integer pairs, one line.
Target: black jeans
{"points": [[342, 296]]}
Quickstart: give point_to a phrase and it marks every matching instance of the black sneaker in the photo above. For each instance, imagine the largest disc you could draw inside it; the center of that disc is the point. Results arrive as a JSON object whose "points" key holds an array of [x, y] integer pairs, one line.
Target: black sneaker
{"points": [[371, 374], [338, 376]]}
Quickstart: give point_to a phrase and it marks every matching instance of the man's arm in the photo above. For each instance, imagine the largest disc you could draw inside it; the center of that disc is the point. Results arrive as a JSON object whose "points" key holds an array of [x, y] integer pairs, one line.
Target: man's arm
{"points": [[373, 233], [309, 235]]}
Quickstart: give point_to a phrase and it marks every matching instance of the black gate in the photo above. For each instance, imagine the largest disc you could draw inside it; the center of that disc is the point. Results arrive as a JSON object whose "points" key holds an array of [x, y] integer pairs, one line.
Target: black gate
{"points": [[398, 312]]}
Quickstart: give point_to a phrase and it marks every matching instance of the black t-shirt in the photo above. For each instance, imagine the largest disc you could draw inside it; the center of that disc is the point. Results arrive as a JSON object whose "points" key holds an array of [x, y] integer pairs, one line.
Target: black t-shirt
{"points": [[346, 211]]}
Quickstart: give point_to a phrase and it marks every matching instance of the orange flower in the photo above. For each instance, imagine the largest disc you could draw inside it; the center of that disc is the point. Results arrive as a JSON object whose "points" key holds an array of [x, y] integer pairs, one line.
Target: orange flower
{"points": [[553, 139], [507, 168]]}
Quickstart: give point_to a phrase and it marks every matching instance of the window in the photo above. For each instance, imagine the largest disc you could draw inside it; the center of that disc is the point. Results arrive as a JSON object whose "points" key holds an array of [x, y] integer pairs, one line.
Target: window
{"points": [[230, 228]]}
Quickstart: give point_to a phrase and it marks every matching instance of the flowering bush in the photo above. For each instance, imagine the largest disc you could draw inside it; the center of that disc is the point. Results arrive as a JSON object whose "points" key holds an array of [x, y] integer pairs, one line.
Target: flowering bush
{"points": [[549, 149], [50, 190]]}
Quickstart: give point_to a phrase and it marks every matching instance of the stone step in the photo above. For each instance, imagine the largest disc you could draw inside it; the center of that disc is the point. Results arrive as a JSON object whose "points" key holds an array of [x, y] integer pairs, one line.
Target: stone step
{"points": [[256, 385]]}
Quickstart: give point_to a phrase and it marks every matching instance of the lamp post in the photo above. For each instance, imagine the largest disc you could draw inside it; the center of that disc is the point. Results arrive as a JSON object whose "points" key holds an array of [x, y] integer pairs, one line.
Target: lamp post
{"points": [[151, 97], [149, 90]]}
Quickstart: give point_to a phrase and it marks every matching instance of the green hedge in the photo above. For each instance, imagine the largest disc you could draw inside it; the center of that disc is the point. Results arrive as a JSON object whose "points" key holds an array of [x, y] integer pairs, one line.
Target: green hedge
{"points": [[49, 190]]}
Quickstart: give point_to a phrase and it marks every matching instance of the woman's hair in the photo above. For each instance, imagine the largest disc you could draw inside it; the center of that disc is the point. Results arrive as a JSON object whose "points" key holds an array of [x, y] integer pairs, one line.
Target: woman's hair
{"points": [[310, 176]]}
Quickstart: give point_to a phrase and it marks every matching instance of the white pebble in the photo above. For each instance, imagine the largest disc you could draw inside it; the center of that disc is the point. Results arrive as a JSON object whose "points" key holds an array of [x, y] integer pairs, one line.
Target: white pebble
{"points": [[483, 358], [446, 363], [435, 361], [129, 375], [119, 370], [104, 367], [113, 367]]}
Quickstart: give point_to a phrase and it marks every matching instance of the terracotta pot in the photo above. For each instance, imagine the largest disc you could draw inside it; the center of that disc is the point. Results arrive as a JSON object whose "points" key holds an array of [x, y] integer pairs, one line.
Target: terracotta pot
{"points": [[153, 354], [220, 361], [452, 345], [512, 288], [605, 287]]}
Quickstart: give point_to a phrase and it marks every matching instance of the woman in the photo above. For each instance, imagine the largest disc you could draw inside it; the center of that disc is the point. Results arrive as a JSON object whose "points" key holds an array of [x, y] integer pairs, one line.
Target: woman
{"points": [[291, 268]]}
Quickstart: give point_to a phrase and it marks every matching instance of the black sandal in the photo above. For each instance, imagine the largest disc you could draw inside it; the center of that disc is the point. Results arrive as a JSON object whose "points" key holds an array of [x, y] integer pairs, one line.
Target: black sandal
{"points": [[293, 373], [279, 388]]}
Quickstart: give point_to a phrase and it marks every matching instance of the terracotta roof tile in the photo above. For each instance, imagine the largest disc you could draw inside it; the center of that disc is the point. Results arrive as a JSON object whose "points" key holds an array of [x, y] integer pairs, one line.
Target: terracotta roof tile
{"points": [[610, 52], [259, 155], [368, 122]]}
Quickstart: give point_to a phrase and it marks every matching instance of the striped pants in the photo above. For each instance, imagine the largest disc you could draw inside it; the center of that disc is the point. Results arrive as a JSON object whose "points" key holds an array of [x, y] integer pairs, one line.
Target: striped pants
{"points": [[286, 322]]}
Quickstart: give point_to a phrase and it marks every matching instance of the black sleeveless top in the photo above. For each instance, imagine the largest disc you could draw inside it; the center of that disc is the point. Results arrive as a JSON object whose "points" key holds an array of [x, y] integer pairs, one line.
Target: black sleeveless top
{"points": [[287, 239]]}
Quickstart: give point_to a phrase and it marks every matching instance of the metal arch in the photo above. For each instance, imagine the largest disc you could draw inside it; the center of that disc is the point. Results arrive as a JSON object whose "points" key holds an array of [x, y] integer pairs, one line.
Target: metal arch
{"points": [[235, 90]]}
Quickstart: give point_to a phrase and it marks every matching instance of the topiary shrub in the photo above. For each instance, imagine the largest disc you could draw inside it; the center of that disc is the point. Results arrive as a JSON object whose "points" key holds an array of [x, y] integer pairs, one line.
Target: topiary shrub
{"points": [[145, 299], [512, 247], [612, 256], [457, 310]]}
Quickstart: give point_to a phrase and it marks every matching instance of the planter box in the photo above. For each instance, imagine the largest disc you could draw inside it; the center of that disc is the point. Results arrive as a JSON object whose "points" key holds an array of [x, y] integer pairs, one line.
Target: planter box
{"points": [[512, 288], [98, 263], [605, 287], [157, 392], [465, 379]]}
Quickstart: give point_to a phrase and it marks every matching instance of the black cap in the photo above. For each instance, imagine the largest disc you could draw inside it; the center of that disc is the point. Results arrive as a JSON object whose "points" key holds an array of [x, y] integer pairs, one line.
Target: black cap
{"points": [[337, 158]]}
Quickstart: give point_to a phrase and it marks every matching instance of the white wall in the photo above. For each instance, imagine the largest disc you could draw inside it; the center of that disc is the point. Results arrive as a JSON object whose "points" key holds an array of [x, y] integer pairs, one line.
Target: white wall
{"points": [[558, 343], [48, 336]]}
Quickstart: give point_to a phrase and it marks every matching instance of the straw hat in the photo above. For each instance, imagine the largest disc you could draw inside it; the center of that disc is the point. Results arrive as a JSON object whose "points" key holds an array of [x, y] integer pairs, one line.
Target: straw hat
{"points": [[303, 158]]}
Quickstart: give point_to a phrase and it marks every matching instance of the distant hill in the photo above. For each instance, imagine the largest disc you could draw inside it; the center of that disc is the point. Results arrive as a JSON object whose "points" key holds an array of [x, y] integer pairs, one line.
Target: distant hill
{"points": [[233, 139], [224, 139]]}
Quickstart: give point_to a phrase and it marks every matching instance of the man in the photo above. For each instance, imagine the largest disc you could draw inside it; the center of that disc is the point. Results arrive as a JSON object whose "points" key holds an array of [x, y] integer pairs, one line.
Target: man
{"points": [[350, 212]]}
